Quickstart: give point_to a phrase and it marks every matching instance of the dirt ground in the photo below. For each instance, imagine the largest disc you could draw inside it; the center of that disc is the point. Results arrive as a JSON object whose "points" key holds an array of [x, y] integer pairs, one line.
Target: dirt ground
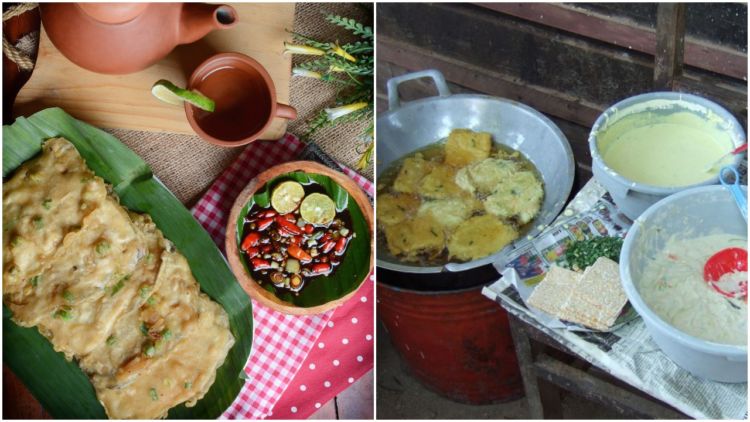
{"points": [[401, 396]]}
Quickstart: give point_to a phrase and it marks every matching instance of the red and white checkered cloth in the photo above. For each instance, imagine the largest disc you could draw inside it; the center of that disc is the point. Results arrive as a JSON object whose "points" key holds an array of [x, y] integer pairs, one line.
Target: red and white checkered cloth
{"points": [[276, 334]]}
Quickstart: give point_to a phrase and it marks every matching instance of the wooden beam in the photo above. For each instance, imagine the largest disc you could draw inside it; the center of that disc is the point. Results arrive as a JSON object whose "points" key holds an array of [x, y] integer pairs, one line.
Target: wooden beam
{"points": [[584, 385], [546, 100], [670, 45], [622, 33], [526, 364]]}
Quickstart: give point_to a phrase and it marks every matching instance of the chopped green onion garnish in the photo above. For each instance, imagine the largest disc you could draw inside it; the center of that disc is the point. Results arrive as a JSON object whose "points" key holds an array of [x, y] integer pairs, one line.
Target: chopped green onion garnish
{"points": [[188, 385], [151, 300], [144, 291], [117, 287], [47, 203], [16, 241], [34, 281], [581, 254], [150, 351], [149, 258], [166, 334], [144, 329], [68, 296], [102, 247], [65, 313], [38, 223], [111, 340], [152, 393]]}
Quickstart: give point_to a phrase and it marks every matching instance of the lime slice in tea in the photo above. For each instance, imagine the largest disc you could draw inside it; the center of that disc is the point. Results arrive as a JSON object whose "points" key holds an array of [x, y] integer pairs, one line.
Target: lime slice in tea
{"points": [[287, 196], [318, 209], [172, 94]]}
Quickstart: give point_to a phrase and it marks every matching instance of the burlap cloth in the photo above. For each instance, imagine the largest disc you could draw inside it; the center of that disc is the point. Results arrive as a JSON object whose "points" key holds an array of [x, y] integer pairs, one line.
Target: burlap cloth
{"points": [[187, 165]]}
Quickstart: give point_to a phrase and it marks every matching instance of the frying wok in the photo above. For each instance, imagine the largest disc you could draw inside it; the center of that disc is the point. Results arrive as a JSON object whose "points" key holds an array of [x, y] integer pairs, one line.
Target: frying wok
{"points": [[409, 126]]}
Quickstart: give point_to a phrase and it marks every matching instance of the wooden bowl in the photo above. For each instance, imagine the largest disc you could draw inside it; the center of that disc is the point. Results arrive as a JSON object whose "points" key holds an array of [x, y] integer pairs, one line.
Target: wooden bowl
{"points": [[252, 287]]}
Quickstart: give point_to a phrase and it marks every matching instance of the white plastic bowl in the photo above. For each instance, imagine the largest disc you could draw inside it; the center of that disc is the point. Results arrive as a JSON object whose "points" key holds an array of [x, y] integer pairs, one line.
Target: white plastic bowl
{"points": [[694, 212], [634, 198]]}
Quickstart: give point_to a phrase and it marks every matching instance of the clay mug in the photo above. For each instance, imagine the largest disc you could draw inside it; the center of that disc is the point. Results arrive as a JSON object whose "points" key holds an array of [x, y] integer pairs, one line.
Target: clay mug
{"points": [[245, 99]]}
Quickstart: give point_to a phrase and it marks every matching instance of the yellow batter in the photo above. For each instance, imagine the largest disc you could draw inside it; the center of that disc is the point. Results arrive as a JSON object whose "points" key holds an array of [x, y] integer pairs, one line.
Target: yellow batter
{"points": [[668, 151]]}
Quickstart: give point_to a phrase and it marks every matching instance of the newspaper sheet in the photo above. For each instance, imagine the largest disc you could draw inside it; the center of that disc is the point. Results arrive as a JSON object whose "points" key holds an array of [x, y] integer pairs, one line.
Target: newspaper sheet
{"points": [[627, 352]]}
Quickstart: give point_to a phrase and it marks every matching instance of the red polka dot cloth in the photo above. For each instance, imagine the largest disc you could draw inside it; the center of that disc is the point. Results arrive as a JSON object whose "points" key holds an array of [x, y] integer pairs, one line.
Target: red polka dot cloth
{"points": [[322, 354]]}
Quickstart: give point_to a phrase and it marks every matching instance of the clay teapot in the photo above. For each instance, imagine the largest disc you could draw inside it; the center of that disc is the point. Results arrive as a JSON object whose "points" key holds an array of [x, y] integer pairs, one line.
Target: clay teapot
{"points": [[127, 37]]}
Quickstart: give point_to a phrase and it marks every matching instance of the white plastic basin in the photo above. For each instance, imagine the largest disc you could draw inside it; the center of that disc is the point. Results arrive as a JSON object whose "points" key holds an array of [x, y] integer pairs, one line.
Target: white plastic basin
{"points": [[694, 212]]}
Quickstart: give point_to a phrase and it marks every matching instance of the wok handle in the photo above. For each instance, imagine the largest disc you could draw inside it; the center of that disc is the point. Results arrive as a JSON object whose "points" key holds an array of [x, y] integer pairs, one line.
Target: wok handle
{"points": [[393, 100]]}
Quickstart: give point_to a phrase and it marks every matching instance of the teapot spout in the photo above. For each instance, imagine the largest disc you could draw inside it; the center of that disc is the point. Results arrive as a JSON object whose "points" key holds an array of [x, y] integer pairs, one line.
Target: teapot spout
{"points": [[198, 19]]}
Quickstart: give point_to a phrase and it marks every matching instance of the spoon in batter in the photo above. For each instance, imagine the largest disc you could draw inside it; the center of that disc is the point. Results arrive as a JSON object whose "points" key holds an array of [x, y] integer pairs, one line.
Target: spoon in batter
{"points": [[723, 271], [739, 149]]}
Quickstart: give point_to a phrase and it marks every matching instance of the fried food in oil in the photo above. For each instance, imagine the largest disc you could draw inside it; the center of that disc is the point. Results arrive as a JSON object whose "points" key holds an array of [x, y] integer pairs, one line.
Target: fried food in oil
{"points": [[519, 197], [448, 213], [471, 201], [412, 171], [415, 237], [465, 146], [440, 184], [395, 208], [480, 236]]}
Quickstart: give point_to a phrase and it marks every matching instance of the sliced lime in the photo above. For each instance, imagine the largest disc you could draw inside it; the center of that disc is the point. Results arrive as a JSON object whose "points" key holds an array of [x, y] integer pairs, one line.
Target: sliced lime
{"points": [[172, 94], [318, 209], [287, 196]]}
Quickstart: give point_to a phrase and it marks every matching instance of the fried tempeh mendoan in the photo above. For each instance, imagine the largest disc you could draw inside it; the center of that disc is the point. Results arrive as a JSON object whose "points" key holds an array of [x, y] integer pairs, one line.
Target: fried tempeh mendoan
{"points": [[107, 289]]}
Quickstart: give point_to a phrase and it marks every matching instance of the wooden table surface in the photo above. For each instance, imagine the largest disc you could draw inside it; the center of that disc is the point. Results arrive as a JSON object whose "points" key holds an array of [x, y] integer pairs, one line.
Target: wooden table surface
{"points": [[125, 101]]}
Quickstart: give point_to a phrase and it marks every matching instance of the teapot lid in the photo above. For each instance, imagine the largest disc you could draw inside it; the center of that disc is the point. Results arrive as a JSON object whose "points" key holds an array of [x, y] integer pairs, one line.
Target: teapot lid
{"points": [[113, 13]]}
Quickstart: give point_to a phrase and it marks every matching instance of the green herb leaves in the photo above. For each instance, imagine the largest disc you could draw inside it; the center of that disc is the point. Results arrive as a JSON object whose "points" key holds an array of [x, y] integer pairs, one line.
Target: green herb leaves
{"points": [[583, 253]]}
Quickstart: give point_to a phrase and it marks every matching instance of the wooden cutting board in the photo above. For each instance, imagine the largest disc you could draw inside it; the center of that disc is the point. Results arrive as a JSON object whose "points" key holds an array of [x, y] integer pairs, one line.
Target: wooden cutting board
{"points": [[125, 101]]}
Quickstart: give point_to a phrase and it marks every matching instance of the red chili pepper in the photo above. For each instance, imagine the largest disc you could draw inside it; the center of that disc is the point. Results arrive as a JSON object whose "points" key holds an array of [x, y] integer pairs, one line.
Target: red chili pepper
{"points": [[296, 240], [309, 228], [264, 223], [324, 238], [252, 252], [284, 232], [290, 217], [291, 227], [340, 246], [250, 240], [324, 258], [270, 213], [260, 264], [320, 268], [327, 246], [299, 253], [266, 248]]}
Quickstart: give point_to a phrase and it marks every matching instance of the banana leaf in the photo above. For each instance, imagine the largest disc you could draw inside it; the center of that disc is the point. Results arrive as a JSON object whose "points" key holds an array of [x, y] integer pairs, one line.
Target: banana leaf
{"points": [[356, 263], [61, 387]]}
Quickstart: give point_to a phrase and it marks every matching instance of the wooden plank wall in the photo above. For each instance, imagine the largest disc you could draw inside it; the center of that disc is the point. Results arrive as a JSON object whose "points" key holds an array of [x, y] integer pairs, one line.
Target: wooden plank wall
{"points": [[566, 61]]}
